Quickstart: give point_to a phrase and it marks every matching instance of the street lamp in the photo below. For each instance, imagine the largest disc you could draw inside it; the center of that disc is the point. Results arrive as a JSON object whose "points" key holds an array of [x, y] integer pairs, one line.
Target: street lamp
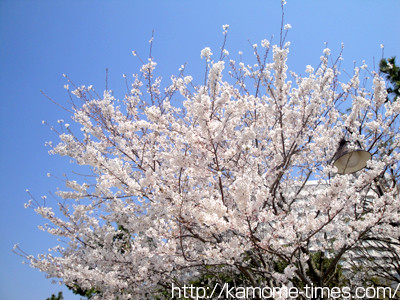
{"points": [[348, 160]]}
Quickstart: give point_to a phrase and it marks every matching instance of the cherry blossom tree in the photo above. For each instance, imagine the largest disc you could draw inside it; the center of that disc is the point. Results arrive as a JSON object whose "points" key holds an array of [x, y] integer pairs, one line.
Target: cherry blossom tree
{"points": [[231, 176]]}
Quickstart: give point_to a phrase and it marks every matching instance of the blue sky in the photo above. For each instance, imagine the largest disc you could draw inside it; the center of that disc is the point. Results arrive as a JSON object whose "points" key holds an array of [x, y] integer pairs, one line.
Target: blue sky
{"points": [[41, 40]]}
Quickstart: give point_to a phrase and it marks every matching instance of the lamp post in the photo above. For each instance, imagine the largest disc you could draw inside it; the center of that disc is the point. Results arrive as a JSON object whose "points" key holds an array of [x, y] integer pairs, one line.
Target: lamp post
{"points": [[348, 160]]}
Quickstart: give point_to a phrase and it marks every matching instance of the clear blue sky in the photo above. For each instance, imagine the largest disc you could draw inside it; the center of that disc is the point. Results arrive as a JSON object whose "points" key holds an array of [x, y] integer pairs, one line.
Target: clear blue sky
{"points": [[40, 40]]}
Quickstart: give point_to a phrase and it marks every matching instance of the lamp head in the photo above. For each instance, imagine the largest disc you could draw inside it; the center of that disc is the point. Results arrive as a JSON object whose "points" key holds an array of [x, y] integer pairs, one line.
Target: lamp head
{"points": [[348, 160]]}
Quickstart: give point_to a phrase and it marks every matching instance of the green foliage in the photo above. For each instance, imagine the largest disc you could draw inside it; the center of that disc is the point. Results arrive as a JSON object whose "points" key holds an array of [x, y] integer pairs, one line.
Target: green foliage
{"points": [[58, 297], [319, 272], [391, 73], [333, 278], [212, 279], [77, 290]]}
